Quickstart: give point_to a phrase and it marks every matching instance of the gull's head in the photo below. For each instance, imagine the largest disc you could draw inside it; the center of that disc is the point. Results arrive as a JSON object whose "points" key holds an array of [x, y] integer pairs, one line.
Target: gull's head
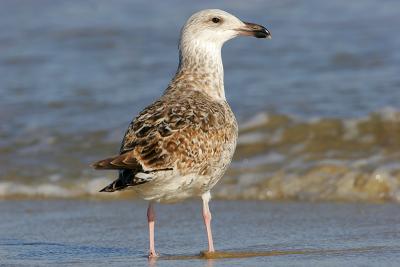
{"points": [[214, 26]]}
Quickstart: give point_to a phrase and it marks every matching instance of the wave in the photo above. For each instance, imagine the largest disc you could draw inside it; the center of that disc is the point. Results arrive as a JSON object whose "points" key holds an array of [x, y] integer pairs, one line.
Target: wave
{"points": [[278, 157], [75, 189]]}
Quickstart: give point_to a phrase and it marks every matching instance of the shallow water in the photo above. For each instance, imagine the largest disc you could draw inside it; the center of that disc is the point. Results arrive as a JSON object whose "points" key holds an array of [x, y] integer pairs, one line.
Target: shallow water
{"points": [[246, 233], [318, 105]]}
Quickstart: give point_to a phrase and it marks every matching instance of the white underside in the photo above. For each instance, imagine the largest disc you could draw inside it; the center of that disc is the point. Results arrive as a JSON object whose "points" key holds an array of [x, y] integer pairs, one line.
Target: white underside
{"points": [[169, 188]]}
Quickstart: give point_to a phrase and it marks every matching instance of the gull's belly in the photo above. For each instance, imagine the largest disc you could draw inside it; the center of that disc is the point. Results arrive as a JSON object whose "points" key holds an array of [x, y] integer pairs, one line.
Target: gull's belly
{"points": [[171, 186]]}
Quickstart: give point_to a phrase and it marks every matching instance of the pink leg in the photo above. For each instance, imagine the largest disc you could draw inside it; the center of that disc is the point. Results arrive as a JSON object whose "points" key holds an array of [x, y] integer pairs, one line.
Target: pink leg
{"points": [[207, 220], [151, 216]]}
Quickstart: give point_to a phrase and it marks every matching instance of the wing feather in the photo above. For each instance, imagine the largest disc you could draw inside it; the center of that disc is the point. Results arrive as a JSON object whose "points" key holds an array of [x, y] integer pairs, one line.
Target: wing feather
{"points": [[185, 133], [179, 132]]}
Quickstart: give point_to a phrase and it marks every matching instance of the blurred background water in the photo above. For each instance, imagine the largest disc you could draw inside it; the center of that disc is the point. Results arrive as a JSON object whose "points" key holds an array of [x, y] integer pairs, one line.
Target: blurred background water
{"points": [[318, 105]]}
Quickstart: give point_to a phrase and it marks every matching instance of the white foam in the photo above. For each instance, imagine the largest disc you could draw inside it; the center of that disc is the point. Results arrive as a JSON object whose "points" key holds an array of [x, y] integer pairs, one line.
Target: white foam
{"points": [[46, 190], [256, 121], [80, 188], [350, 129], [389, 114], [250, 138]]}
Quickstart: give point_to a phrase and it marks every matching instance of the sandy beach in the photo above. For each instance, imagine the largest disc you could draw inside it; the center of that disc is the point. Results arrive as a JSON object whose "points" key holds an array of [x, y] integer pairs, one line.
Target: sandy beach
{"points": [[247, 233]]}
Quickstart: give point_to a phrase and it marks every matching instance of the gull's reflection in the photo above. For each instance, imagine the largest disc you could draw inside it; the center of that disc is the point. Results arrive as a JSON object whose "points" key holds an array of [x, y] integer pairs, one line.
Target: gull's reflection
{"points": [[152, 262], [209, 263]]}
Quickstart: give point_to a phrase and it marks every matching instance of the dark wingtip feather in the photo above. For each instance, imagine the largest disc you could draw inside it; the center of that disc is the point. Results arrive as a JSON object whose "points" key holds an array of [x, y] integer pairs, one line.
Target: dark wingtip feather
{"points": [[115, 186], [108, 188]]}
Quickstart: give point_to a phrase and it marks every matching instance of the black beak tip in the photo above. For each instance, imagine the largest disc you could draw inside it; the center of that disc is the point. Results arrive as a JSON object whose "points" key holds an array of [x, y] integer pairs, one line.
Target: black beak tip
{"points": [[256, 30], [263, 33]]}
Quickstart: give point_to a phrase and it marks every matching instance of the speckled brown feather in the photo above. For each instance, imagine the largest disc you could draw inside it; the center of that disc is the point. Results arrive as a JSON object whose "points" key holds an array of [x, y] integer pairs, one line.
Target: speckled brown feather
{"points": [[117, 162]]}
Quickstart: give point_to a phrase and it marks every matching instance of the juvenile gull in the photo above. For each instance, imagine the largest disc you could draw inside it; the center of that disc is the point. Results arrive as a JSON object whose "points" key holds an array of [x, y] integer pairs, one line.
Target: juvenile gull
{"points": [[181, 145]]}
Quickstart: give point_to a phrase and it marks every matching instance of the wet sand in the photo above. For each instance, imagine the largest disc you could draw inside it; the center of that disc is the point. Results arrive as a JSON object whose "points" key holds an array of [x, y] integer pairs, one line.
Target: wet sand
{"points": [[247, 233]]}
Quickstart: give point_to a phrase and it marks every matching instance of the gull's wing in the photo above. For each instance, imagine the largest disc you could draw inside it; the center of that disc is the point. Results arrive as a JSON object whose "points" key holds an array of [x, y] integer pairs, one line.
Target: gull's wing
{"points": [[173, 134]]}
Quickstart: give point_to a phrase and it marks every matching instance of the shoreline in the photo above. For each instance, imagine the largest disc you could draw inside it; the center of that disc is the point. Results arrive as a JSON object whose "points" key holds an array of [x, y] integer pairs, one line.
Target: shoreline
{"points": [[87, 233]]}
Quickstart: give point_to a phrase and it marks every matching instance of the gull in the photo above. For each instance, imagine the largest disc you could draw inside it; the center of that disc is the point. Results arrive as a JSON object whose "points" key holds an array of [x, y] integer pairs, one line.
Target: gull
{"points": [[181, 145]]}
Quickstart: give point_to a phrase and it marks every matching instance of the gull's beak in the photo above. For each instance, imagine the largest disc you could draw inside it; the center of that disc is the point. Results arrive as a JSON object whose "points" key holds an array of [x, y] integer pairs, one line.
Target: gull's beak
{"points": [[251, 29]]}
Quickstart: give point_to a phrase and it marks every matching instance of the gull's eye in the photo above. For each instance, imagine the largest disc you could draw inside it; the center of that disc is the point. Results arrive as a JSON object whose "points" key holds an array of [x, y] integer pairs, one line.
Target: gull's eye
{"points": [[215, 20]]}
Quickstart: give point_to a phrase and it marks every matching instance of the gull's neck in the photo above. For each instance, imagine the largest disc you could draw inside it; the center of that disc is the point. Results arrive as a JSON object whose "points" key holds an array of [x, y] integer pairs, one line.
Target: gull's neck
{"points": [[200, 68]]}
